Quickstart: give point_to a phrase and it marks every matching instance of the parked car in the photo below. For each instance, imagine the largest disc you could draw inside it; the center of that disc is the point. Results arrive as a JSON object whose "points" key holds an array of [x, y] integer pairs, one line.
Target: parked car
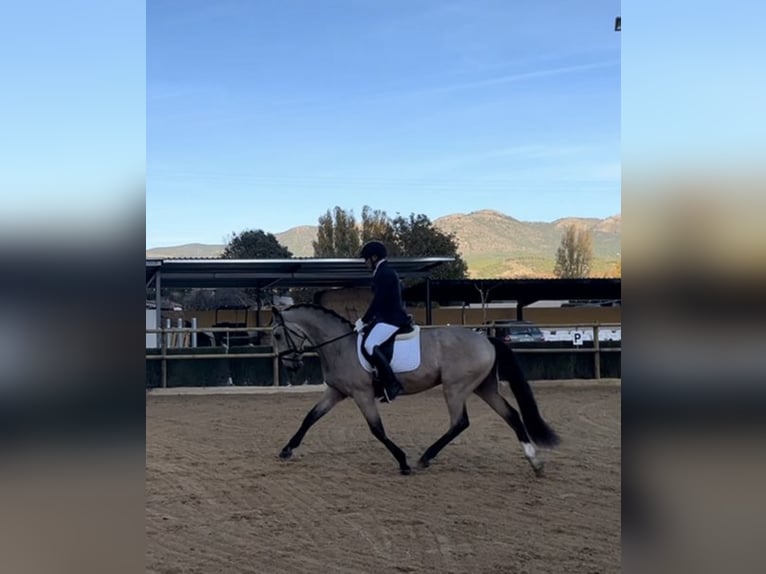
{"points": [[518, 332], [593, 303]]}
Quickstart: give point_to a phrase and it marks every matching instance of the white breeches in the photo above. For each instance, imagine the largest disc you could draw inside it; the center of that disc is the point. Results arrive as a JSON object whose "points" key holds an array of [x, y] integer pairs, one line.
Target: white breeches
{"points": [[380, 332]]}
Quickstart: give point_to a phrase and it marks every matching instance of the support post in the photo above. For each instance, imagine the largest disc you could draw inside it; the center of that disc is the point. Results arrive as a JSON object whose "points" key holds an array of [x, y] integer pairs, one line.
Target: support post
{"points": [[158, 303], [596, 352], [276, 370], [164, 346], [168, 334], [428, 301]]}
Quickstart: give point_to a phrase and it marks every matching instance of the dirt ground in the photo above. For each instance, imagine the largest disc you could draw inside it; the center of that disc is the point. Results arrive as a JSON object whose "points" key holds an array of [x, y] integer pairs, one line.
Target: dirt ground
{"points": [[219, 500]]}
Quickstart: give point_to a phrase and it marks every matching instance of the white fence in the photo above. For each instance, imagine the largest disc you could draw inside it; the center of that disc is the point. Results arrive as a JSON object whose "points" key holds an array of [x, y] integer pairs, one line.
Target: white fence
{"points": [[179, 337], [605, 333]]}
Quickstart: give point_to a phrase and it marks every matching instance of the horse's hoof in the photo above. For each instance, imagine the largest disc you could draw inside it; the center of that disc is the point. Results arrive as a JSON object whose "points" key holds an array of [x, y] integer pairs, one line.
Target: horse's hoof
{"points": [[422, 463], [285, 454], [406, 471], [537, 466]]}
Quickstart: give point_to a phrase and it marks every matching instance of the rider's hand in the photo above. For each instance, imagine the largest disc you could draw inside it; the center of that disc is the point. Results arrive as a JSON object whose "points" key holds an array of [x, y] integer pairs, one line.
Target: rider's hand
{"points": [[359, 326]]}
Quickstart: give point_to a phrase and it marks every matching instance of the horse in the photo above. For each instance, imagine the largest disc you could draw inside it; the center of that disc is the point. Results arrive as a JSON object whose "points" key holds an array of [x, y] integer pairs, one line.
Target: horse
{"points": [[461, 360]]}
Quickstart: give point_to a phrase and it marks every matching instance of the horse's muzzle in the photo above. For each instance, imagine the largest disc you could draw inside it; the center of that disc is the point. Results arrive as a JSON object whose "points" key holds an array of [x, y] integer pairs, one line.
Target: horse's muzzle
{"points": [[292, 365]]}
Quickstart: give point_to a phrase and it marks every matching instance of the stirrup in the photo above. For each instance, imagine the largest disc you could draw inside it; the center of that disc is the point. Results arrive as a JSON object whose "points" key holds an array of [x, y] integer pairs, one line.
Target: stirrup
{"points": [[387, 398]]}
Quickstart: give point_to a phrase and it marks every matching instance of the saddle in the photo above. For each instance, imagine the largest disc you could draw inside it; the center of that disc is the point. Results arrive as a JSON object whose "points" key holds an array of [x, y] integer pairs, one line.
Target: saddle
{"points": [[402, 350], [388, 347]]}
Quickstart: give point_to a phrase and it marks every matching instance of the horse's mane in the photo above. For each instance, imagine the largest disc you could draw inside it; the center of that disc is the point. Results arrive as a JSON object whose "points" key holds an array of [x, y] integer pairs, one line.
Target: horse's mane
{"points": [[323, 309]]}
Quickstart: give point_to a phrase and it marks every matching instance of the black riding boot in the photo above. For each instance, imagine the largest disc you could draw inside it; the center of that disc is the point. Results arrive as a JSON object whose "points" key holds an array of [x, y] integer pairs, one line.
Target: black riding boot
{"points": [[391, 385]]}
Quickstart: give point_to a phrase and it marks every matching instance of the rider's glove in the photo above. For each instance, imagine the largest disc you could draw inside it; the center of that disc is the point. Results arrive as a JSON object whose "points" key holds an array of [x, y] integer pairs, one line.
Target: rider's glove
{"points": [[359, 326]]}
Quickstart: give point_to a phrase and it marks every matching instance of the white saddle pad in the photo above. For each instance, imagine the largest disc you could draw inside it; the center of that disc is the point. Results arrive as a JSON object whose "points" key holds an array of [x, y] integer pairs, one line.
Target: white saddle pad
{"points": [[406, 352]]}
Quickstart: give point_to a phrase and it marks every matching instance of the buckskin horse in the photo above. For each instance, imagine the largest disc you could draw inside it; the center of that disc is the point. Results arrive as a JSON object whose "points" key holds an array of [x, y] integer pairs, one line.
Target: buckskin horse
{"points": [[461, 360]]}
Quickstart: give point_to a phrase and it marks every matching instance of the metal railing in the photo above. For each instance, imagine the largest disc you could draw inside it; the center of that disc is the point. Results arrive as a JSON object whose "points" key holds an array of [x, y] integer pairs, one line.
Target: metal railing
{"points": [[166, 339]]}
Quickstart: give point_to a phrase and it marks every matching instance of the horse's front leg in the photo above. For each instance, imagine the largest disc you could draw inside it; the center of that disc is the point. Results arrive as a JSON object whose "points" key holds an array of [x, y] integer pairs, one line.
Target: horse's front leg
{"points": [[330, 398], [366, 403]]}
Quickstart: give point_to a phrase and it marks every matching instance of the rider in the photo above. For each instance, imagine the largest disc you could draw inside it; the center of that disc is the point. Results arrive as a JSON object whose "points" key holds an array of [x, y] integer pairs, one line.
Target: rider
{"points": [[386, 314]]}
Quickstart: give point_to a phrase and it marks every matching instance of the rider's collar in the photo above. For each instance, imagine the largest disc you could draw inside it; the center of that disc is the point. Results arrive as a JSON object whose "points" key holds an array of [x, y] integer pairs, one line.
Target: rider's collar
{"points": [[378, 265]]}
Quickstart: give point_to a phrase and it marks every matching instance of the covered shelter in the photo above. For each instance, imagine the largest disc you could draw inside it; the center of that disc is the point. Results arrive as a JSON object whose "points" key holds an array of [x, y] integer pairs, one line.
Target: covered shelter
{"points": [[264, 274], [523, 291], [269, 273]]}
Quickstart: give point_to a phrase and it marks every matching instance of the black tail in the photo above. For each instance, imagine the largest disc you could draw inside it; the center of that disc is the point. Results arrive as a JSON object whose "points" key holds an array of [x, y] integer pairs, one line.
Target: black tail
{"points": [[510, 370]]}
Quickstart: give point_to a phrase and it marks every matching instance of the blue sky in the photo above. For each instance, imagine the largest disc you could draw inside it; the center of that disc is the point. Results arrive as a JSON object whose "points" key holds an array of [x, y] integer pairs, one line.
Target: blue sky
{"points": [[72, 114], [692, 87], [265, 114]]}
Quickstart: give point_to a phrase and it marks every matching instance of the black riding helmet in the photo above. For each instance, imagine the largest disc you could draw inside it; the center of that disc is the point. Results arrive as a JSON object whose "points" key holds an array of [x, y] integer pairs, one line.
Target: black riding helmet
{"points": [[371, 248]]}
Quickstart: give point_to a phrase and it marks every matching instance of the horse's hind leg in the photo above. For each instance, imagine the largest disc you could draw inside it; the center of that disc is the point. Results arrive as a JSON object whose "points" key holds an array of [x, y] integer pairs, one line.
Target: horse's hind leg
{"points": [[488, 392], [366, 404], [456, 395], [458, 423], [329, 399]]}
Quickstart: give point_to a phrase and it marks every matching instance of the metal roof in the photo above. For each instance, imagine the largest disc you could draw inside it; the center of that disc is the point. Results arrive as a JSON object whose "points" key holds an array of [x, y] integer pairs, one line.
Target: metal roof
{"points": [[264, 273], [524, 291]]}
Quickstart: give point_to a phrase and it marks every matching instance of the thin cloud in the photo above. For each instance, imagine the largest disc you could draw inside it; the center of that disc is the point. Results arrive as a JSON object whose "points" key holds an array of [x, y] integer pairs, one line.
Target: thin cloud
{"points": [[521, 152], [507, 79], [473, 84]]}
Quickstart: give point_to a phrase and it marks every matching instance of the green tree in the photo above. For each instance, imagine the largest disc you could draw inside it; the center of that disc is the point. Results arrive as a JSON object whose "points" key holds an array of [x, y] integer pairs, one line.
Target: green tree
{"points": [[575, 253], [338, 235], [416, 236], [377, 225], [346, 234], [324, 246], [254, 244]]}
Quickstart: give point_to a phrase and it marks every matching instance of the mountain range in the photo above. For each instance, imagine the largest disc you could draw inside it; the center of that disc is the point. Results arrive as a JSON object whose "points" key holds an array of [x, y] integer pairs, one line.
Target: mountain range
{"points": [[493, 244]]}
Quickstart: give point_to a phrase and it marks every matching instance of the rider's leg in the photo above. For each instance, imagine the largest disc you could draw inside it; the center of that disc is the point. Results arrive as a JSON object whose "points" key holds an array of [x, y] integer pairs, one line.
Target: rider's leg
{"points": [[391, 385], [379, 334]]}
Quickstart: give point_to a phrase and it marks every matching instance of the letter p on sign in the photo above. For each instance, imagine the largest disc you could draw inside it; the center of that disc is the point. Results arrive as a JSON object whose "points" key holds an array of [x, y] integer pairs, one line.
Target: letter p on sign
{"points": [[577, 338]]}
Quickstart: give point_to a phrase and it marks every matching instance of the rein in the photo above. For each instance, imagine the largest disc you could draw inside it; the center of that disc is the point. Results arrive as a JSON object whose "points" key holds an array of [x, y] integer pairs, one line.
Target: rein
{"points": [[295, 350], [338, 338]]}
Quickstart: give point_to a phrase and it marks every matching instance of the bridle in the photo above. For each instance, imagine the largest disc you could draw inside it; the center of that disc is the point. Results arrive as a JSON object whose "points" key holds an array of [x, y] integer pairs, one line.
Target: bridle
{"points": [[300, 349]]}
